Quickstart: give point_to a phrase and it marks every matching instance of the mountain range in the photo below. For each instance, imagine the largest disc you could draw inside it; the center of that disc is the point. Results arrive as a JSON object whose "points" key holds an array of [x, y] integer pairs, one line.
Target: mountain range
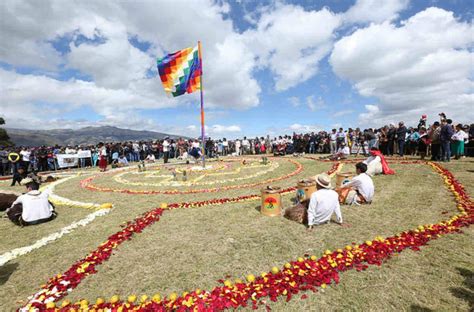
{"points": [[87, 135]]}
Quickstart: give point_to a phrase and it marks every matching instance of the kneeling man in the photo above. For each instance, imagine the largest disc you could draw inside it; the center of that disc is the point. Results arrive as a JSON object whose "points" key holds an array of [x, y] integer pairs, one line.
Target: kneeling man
{"points": [[323, 203], [32, 207], [360, 190]]}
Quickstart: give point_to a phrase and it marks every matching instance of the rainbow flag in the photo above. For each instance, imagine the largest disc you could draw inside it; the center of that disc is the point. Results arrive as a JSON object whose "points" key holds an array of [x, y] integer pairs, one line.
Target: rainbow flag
{"points": [[180, 72]]}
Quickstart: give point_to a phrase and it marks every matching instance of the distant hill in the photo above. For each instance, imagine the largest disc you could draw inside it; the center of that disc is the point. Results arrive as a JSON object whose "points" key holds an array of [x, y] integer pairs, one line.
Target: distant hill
{"points": [[88, 135]]}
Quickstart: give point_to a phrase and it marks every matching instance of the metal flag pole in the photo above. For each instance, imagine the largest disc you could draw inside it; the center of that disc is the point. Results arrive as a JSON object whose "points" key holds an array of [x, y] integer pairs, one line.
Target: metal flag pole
{"points": [[202, 111]]}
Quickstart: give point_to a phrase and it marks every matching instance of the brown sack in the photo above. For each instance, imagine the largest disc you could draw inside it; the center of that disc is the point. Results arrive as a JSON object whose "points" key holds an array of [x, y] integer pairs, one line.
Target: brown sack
{"points": [[298, 213], [6, 200]]}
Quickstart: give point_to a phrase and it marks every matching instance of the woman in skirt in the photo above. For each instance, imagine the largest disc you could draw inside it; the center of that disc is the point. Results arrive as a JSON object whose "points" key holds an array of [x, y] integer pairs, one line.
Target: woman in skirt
{"points": [[102, 157]]}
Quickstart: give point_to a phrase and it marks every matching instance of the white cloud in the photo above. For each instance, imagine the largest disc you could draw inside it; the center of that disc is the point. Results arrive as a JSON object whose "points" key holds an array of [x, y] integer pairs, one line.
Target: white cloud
{"points": [[343, 113], [291, 42], [294, 101], [298, 128], [17, 90], [372, 112], [422, 66], [213, 131], [114, 63], [313, 104], [366, 11]]}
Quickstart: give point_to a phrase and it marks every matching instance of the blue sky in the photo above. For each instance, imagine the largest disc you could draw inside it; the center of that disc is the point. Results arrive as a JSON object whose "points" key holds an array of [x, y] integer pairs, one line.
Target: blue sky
{"points": [[269, 67]]}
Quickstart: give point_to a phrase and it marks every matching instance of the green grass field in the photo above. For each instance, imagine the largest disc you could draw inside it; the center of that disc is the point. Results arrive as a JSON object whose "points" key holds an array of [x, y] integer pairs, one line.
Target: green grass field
{"points": [[192, 248]]}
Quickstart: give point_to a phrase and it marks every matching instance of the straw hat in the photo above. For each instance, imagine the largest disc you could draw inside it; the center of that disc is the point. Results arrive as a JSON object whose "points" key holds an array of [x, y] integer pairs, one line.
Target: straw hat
{"points": [[26, 181], [323, 180]]}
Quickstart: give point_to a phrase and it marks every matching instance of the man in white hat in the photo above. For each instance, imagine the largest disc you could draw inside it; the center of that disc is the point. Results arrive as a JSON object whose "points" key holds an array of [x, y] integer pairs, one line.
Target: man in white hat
{"points": [[323, 203], [32, 207]]}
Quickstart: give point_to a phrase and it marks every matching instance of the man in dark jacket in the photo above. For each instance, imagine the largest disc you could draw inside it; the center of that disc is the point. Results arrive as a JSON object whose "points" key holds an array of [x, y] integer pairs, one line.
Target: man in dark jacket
{"points": [[392, 131], [445, 135], [401, 135]]}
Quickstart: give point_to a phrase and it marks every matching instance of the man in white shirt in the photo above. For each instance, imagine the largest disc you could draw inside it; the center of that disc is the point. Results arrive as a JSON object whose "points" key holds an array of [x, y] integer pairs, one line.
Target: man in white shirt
{"points": [[340, 138], [323, 203], [25, 158], [123, 162], [150, 158], [32, 207], [360, 190], [245, 146], [166, 149], [136, 151], [333, 141]]}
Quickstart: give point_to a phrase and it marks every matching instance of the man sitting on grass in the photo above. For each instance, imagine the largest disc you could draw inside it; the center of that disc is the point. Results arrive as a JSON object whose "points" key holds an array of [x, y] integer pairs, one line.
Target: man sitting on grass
{"points": [[32, 207], [122, 161], [342, 153], [323, 203], [360, 190]]}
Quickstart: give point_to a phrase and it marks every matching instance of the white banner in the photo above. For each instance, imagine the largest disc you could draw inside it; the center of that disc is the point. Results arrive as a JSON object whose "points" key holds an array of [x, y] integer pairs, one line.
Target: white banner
{"points": [[84, 154], [67, 160]]}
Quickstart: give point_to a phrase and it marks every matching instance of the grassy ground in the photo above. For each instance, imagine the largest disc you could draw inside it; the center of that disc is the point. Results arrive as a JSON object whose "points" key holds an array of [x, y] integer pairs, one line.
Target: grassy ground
{"points": [[192, 248]]}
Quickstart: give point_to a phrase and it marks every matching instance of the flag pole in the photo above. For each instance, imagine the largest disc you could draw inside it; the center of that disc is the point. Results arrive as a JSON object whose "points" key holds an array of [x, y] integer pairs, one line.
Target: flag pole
{"points": [[202, 112]]}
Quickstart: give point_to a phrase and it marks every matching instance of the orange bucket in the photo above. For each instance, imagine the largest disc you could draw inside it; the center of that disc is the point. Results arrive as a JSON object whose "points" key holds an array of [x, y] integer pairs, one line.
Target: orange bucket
{"points": [[343, 178], [271, 201], [305, 189]]}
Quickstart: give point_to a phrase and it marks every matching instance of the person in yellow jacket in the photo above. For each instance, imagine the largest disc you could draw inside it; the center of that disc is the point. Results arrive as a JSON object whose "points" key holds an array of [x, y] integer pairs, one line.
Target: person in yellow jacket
{"points": [[14, 159]]}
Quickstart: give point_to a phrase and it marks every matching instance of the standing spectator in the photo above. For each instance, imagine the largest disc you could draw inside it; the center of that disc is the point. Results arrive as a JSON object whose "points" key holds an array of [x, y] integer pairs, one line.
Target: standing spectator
{"points": [[340, 138], [268, 145], [42, 157], [166, 149], [25, 158], [333, 141], [51, 161], [423, 143], [263, 148], [209, 148], [370, 138], [434, 136], [458, 141], [82, 160], [401, 137], [422, 122], [102, 157], [15, 160], [470, 145], [445, 138], [383, 140], [413, 139], [4, 165], [95, 157], [245, 146], [312, 144], [135, 151], [237, 147], [225, 145], [392, 132]]}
